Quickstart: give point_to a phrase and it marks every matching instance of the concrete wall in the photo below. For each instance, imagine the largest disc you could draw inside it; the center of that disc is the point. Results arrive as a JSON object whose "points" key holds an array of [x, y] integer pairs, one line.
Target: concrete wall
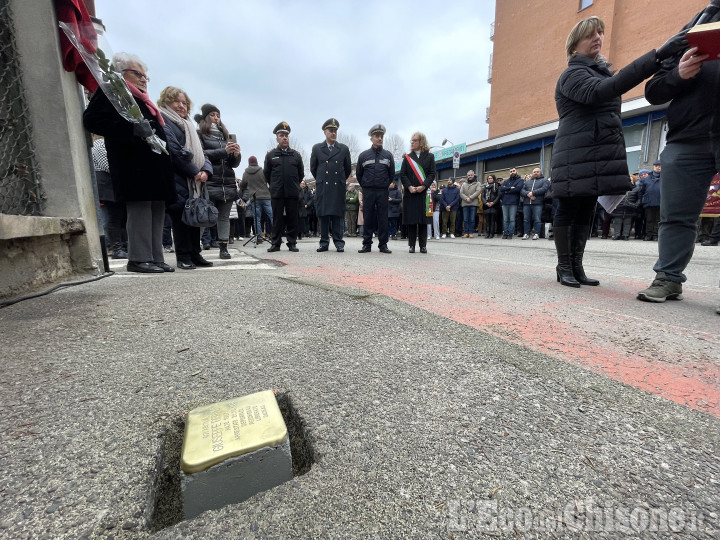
{"points": [[529, 49], [32, 254]]}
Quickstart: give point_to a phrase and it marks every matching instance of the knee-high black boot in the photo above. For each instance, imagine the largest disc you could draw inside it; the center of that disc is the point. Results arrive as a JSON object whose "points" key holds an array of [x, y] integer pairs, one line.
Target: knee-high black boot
{"points": [[578, 239], [562, 247]]}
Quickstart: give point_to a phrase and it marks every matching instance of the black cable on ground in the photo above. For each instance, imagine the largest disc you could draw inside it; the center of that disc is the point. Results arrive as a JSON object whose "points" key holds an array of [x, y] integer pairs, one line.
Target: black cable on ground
{"points": [[55, 288]]}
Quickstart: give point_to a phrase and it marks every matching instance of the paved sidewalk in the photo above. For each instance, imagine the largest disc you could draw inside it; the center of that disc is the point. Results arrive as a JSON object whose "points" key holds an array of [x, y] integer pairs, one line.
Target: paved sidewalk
{"points": [[419, 426]]}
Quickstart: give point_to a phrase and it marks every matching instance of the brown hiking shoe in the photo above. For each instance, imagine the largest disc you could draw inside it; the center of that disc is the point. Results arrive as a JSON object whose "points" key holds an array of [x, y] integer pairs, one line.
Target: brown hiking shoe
{"points": [[661, 289]]}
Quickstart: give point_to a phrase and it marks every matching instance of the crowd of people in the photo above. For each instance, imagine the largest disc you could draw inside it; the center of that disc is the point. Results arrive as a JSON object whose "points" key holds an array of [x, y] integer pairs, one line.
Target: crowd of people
{"points": [[139, 187]]}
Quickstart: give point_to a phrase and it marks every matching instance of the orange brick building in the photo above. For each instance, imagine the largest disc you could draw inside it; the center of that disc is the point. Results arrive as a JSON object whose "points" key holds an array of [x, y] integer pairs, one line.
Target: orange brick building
{"points": [[529, 56], [529, 49]]}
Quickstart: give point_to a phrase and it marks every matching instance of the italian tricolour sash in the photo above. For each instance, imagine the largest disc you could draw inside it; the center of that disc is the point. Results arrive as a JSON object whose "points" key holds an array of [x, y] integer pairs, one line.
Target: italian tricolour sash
{"points": [[420, 175]]}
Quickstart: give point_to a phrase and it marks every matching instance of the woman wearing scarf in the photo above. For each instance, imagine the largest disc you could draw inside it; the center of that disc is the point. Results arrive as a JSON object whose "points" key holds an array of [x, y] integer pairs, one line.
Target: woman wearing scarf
{"points": [[141, 178], [224, 156], [192, 169], [589, 152], [417, 174]]}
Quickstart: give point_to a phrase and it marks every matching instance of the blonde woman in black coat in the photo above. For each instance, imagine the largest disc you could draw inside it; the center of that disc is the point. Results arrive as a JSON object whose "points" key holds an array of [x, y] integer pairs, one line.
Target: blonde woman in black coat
{"points": [[589, 151], [417, 174]]}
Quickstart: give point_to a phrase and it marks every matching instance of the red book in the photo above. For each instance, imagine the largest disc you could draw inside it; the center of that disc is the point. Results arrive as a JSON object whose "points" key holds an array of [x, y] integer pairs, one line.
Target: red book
{"points": [[706, 37]]}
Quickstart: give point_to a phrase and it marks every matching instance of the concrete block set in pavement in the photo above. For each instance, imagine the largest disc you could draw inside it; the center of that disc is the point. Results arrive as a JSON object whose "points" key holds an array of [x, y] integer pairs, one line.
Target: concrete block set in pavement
{"points": [[419, 426]]}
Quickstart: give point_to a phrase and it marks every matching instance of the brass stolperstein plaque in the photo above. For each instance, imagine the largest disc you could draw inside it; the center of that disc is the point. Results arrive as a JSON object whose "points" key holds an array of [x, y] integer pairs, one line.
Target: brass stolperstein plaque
{"points": [[216, 432]]}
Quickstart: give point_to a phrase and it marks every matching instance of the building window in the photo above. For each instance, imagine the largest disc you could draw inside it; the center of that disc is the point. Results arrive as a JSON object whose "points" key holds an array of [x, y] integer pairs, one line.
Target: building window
{"points": [[585, 4], [633, 145]]}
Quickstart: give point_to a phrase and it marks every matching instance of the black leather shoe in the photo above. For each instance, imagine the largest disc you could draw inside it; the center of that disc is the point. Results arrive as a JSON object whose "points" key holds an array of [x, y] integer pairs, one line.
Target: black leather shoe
{"points": [[144, 267], [365, 249], [199, 260], [185, 265], [273, 248], [293, 248], [423, 250], [709, 243], [165, 267], [321, 249], [341, 250], [385, 249], [411, 250]]}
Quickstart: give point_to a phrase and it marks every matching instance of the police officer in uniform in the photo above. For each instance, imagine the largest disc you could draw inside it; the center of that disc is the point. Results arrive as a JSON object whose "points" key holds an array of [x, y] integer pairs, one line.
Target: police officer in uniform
{"points": [[375, 170], [284, 170], [331, 166]]}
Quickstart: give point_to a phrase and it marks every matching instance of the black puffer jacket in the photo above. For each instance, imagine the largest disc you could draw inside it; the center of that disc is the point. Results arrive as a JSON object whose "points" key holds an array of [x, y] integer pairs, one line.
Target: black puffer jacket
{"points": [[221, 186], [589, 153]]}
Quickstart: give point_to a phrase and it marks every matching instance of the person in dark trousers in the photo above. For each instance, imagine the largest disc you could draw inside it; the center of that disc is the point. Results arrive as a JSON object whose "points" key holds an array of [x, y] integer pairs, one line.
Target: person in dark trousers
{"points": [[352, 204], [589, 152], [650, 194], [224, 154], [305, 202], [258, 195], [395, 200], [533, 193], [375, 170], [192, 169], [491, 200], [450, 202], [510, 198], [331, 166], [141, 178], [714, 238], [284, 170], [417, 173], [624, 213], [690, 159], [114, 214]]}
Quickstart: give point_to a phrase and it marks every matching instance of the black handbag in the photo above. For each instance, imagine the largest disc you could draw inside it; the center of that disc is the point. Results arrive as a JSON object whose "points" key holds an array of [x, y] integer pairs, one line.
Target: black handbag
{"points": [[199, 211]]}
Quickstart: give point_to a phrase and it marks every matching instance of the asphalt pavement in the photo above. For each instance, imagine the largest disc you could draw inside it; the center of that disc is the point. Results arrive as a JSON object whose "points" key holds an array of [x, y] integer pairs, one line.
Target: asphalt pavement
{"points": [[416, 422]]}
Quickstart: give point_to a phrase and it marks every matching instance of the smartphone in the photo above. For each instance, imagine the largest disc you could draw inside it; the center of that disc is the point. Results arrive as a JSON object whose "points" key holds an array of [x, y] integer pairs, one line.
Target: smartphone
{"points": [[232, 138]]}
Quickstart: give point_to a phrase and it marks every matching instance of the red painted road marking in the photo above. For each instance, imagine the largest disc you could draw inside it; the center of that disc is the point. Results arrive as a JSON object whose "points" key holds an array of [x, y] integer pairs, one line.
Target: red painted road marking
{"points": [[695, 384]]}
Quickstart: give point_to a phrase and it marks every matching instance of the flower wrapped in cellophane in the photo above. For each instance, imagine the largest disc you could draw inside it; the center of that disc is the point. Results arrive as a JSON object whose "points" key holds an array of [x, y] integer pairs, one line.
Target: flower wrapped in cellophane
{"points": [[111, 81]]}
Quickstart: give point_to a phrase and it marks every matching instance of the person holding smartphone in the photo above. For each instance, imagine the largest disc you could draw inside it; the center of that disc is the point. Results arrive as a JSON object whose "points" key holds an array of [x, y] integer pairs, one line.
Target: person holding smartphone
{"points": [[223, 151]]}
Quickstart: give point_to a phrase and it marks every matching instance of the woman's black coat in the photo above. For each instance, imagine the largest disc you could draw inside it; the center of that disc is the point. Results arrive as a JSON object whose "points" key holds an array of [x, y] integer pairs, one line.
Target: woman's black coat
{"points": [[414, 203], [138, 173], [221, 185], [305, 202], [182, 163], [589, 153]]}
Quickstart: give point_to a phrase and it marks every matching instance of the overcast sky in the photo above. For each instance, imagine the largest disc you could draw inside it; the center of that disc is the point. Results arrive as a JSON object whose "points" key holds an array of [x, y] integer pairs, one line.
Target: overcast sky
{"points": [[408, 66]]}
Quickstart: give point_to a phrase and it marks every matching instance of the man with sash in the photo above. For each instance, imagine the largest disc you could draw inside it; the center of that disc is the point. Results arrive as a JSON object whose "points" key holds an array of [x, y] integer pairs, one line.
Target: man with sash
{"points": [[330, 165], [417, 174], [375, 170]]}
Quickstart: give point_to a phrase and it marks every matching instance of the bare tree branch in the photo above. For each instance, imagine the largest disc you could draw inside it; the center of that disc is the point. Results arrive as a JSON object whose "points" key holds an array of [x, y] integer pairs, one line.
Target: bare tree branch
{"points": [[352, 143], [395, 145]]}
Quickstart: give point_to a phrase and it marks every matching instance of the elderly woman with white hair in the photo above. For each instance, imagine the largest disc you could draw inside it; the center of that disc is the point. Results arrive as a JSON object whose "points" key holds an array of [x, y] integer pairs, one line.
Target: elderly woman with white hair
{"points": [[141, 178]]}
